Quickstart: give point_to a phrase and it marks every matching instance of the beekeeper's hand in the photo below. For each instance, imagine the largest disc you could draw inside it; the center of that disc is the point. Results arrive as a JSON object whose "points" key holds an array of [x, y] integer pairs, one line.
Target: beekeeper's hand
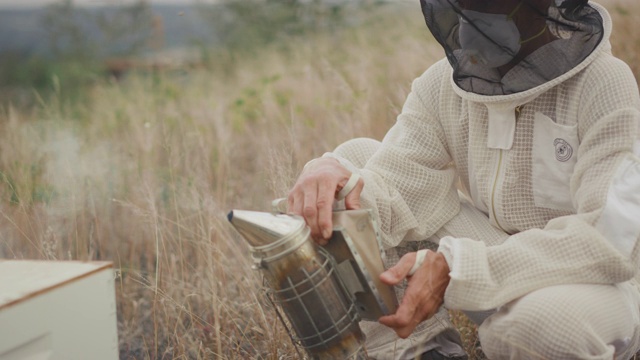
{"points": [[320, 182], [424, 293]]}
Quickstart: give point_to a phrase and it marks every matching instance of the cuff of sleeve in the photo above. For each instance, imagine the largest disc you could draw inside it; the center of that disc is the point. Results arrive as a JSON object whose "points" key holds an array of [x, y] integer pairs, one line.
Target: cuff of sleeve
{"points": [[464, 257], [367, 200], [446, 249], [355, 175], [344, 162]]}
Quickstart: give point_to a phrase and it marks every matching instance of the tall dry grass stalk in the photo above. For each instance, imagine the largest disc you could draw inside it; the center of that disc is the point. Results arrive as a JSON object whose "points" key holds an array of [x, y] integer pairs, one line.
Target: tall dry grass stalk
{"points": [[145, 172]]}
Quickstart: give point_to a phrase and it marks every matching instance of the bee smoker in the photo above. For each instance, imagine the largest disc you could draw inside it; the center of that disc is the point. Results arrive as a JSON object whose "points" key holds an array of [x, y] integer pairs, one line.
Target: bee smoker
{"points": [[323, 291]]}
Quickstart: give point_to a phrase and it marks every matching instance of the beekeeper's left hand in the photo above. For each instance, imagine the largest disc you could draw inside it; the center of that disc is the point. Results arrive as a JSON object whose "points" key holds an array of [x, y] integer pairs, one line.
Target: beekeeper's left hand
{"points": [[424, 293]]}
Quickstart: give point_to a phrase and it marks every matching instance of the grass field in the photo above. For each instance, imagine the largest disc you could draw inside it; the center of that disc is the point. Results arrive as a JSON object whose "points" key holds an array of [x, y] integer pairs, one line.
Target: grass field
{"points": [[145, 170]]}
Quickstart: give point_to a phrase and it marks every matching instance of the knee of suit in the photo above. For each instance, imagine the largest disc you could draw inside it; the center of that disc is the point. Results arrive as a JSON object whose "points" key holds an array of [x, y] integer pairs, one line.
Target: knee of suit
{"points": [[555, 323]]}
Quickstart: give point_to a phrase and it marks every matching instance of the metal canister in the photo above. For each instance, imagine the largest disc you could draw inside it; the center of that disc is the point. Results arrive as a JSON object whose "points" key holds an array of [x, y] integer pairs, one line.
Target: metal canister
{"points": [[304, 282]]}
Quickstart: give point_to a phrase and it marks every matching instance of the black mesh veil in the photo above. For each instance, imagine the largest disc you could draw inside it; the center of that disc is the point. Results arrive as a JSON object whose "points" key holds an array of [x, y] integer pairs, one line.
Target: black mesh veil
{"points": [[499, 47]]}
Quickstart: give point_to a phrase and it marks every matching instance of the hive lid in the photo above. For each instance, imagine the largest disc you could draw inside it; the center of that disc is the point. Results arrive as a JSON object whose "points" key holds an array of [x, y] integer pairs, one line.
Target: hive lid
{"points": [[23, 279]]}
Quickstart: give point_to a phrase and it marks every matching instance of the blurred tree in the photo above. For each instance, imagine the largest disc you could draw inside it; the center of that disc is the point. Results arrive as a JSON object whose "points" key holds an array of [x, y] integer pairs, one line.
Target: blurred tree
{"points": [[79, 39], [92, 33], [66, 30], [246, 24], [129, 30]]}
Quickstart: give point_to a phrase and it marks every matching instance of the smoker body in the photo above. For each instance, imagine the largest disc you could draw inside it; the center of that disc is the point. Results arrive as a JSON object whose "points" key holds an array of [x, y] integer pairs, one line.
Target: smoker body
{"points": [[324, 292], [306, 286]]}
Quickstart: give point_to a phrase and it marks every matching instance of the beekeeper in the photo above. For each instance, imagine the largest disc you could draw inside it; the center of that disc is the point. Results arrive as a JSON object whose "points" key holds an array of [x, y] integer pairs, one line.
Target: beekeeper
{"points": [[519, 156]]}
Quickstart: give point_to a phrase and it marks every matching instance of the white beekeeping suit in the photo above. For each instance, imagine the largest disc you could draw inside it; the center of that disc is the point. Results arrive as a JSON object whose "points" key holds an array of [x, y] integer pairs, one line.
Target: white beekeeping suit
{"points": [[539, 125]]}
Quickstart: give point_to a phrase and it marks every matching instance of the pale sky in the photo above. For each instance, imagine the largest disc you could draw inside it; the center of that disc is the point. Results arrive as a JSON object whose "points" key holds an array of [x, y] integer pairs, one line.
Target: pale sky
{"points": [[39, 3]]}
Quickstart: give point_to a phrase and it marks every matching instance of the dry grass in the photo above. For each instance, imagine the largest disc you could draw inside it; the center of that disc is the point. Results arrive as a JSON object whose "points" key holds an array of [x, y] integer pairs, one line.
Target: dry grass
{"points": [[144, 173]]}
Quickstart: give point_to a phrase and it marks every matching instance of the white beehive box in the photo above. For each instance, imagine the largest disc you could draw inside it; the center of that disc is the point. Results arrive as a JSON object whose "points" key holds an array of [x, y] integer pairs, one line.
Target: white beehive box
{"points": [[57, 310]]}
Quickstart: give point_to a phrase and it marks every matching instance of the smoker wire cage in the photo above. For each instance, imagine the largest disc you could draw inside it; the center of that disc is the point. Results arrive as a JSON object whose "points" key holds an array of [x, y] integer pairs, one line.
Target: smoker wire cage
{"points": [[304, 293]]}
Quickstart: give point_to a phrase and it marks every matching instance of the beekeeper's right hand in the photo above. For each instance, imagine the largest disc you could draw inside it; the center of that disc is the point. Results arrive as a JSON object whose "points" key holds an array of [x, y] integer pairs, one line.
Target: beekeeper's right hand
{"points": [[321, 182]]}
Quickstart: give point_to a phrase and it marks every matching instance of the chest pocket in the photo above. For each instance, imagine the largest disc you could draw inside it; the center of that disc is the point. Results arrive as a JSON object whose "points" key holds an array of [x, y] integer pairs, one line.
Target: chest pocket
{"points": [[554, 155]]}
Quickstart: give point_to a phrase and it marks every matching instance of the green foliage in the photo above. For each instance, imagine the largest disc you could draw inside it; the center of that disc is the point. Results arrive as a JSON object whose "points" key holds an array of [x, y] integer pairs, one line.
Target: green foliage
{"points": [[621, 10], [33, 190], [64, 78], [15, 71]]}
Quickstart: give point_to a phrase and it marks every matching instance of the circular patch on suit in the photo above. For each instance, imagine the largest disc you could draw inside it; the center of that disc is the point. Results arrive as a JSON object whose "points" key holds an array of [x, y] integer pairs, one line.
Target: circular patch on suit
{"points": [[564, 151]]}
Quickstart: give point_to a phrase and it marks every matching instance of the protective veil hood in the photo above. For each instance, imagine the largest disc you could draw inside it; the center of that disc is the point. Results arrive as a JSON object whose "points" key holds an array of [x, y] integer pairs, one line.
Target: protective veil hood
{"points": [[502, 47]]}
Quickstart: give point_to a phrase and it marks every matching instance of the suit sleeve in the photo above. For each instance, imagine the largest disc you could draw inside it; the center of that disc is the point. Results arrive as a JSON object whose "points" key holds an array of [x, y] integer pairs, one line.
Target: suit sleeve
{"points": [[410, 180]]}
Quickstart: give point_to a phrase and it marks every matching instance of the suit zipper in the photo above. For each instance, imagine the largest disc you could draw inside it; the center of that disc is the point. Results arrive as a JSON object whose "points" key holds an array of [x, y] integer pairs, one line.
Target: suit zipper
{"points": [[518, 109], [493, 192]]}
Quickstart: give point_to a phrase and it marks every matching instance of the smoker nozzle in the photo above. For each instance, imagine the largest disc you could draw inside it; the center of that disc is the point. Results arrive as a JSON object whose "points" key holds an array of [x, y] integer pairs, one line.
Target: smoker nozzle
{"points": [[261, 228]]}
